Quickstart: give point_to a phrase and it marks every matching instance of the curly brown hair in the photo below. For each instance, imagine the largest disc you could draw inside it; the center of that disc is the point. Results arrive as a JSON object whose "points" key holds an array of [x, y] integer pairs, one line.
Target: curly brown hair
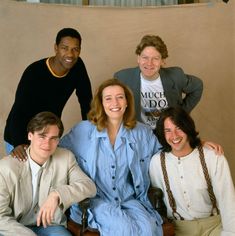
{"points": [[152, 41]]}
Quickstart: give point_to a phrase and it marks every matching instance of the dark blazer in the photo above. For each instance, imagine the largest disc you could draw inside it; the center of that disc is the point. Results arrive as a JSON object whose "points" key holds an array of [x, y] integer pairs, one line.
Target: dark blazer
{"points": [[180, 89]]}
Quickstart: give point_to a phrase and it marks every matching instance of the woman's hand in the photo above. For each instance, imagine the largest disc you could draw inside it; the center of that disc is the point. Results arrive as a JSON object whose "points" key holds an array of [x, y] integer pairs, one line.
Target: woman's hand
{"points": [[214, 146]]}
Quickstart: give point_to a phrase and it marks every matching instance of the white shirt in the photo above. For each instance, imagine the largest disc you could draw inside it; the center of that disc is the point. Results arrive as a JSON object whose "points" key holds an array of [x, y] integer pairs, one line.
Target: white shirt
{"points": [[153, 99], [36, 173], [189, 187]]}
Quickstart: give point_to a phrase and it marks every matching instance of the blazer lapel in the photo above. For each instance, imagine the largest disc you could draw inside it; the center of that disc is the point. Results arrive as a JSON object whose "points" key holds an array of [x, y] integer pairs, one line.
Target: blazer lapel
{"points": [[136, 85], [26, 191]]}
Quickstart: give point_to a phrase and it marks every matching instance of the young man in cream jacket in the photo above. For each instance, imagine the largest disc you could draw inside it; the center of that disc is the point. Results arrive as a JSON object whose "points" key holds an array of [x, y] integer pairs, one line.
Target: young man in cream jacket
{"points": [[35, 193]]}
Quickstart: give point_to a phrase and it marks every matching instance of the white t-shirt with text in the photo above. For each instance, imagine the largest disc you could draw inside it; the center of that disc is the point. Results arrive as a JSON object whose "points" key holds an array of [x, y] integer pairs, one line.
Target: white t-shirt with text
{"points": [[153, 100]]}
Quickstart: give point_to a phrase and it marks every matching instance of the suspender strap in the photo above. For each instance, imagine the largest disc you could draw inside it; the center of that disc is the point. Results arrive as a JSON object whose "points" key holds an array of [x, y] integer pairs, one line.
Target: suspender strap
{"points": [[208, 181], [206, 175], [168, 190]]}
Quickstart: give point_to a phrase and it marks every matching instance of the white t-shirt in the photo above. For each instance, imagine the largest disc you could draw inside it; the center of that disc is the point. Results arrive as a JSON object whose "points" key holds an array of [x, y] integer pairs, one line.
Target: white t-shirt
{"points": [[153, 100]]}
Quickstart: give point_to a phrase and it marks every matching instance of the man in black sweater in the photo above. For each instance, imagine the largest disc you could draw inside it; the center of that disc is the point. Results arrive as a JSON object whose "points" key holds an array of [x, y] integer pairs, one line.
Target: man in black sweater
{"points": [[46, 85]]}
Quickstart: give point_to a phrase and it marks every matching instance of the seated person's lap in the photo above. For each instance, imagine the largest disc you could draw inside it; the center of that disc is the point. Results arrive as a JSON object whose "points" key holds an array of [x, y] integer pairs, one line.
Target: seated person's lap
{"points": [[56, 230], [210, 226]]}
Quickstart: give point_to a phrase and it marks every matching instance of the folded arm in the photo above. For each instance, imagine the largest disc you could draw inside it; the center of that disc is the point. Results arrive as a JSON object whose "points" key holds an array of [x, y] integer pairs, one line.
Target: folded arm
{"points": [[193, 92]]}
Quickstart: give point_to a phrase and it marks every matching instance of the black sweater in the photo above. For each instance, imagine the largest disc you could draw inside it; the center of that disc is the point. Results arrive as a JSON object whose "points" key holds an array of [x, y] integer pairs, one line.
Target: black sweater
{"points": [[38, 90]]}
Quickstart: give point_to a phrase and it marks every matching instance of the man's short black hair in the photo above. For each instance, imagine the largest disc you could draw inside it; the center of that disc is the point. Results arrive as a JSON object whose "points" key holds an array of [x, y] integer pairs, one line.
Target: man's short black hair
{"points": [[68, 32]]}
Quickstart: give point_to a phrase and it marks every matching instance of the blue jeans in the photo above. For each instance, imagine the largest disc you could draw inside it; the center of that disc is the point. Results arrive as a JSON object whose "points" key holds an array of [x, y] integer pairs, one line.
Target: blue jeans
{"points": [[8, 147], [54, 230]]}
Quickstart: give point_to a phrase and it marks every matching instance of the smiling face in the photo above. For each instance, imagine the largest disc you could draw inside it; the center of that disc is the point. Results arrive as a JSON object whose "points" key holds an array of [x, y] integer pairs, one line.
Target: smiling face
{"points": [[43, 143], [66, 54], [176, 138], [150, 62], [114, 102]]}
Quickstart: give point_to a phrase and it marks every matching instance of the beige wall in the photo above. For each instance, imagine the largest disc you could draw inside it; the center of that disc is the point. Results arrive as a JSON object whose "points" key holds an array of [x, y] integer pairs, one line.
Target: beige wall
{"points": [[200, 38]]}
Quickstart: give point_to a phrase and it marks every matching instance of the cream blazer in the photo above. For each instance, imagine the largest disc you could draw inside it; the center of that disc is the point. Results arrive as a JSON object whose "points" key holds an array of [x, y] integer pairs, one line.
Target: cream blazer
{"points": [[61, 174]]}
